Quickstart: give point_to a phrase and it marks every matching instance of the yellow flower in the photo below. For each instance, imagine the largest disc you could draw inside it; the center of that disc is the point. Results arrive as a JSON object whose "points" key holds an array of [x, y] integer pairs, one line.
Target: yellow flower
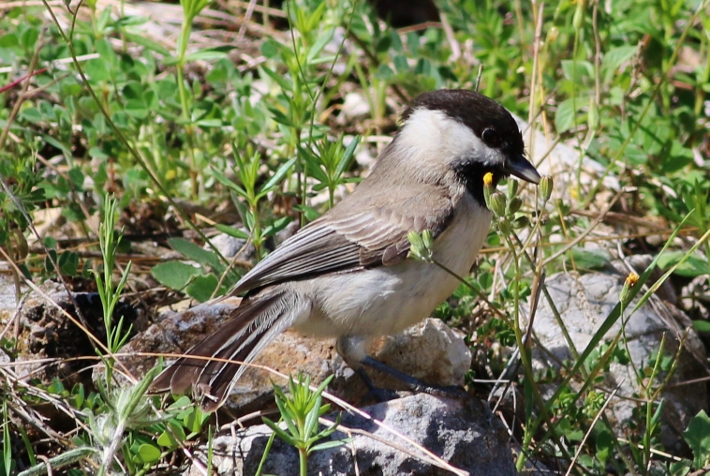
{"points": [[632, 279], [488, 179]]}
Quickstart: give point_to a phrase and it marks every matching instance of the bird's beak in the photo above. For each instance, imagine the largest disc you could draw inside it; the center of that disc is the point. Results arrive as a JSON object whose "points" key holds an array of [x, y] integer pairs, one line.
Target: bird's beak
{"points": [[520, 167]]}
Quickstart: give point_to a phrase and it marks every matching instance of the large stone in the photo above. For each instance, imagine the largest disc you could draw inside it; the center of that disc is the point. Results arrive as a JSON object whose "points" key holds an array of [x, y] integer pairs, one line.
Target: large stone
{"points": [[463, 433], [584, 302]]}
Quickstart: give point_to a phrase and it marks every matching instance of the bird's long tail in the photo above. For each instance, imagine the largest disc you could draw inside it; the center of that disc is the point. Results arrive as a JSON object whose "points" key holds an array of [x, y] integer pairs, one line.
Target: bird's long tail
{"points": [[255, 323]]}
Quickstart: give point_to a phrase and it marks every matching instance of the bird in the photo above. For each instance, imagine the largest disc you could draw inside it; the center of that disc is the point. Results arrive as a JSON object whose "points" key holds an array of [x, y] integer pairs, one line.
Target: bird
{"points": [[348, 274]]}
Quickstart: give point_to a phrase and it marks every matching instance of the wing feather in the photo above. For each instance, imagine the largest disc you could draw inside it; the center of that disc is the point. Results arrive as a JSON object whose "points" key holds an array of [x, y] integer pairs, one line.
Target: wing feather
{"points": [[346, 242]]}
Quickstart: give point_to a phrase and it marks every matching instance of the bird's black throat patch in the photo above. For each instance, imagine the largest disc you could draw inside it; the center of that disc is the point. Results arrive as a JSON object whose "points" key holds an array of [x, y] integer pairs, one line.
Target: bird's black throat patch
{"points": [[470, 172]]}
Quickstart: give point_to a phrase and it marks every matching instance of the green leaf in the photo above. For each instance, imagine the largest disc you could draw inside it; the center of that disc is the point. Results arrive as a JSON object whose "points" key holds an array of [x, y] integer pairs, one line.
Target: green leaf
{"points": [[276, 226], [207, 123], [194, 420], [182, 403], [147, 454], [590, 259], [9, 40], [136, 108], [279, 116], [51, 140], [698, 438], [279, 431], [678, 158], [147, 43], [172, 436], [565, 115], [174, 274], [577, 71], [192, 251], [68, 263], [206, 55], [31, 114], [278, 176], [328, 445], [270, 48], [280, 79], [347, 156], [233, 232], [29, 37], [385, 72], [695, 265], [228, 183], [202, 287], [97, 70], [318, 46], [702, 326], [614, 58]]}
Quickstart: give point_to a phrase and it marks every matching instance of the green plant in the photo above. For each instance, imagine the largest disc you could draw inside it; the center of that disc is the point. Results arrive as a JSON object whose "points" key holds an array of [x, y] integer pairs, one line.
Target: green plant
{"points": [[200, 283], [300, 412], [249, 191], [19, 196], [328, 163], [109, 242]]}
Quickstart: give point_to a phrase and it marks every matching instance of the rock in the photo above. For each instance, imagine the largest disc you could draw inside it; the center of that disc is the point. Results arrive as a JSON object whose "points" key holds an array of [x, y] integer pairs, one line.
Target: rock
{"points": [[463, 433], [584, 302], [430, 351], [355, 105], [227, 245], [43, 331]]}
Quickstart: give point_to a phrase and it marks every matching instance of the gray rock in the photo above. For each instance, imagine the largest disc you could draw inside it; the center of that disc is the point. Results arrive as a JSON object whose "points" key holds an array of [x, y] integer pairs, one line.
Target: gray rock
{"points": [[227, 245], [464, 434], [584, 302]]}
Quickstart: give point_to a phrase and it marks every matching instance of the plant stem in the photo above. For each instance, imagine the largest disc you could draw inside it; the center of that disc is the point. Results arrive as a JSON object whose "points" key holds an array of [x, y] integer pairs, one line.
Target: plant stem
{"points": [[303, 461]]}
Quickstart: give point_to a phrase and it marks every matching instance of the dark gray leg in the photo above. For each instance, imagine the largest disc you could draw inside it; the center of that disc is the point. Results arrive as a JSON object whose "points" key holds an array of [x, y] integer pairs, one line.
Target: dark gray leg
{"points": [[352, 350]]}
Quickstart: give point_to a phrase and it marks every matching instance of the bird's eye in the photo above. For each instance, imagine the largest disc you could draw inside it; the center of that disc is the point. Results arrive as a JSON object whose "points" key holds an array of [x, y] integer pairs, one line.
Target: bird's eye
{"points": [[491, 138]]}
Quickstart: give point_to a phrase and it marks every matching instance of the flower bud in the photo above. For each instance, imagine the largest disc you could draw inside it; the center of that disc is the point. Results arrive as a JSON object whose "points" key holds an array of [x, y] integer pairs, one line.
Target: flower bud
{"points": [[520, 222], [632, 279], [504, 226], [427, 239], [488, 179], [487, 188], [578, 16], [593, 115], [546, 187], [630, 282], [552, 34], [512, 189], [514, 205], [498, 203]]}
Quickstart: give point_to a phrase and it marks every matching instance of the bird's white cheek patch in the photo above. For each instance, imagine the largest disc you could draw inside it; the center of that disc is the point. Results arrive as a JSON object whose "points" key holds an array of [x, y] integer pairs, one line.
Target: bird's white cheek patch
{"points": [[434, 134]]}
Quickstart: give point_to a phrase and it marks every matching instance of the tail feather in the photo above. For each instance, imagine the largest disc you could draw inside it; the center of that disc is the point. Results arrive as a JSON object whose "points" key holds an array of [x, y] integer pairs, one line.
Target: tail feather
{"points": [[254, 325]]}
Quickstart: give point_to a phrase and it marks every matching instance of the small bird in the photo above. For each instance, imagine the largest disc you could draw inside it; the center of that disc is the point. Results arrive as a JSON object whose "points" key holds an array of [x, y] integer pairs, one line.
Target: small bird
{"points": [[348, 274]]}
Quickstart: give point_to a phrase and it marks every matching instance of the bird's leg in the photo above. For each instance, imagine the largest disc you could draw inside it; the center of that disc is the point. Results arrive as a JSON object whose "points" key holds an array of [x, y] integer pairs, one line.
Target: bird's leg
{"points": [[414, 384], [352, 350]]}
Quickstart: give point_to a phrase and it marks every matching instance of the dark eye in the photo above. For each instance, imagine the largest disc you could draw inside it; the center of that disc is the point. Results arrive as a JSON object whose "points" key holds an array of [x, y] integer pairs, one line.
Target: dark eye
{"points": [[491, 138]]}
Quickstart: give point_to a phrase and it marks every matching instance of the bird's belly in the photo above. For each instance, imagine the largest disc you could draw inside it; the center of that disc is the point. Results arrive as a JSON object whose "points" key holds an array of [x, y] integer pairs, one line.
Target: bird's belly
{"points": [[388, 299]]}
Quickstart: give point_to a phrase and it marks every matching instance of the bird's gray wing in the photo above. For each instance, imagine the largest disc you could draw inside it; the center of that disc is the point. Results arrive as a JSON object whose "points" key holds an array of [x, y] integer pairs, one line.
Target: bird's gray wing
{"points": [[346, 241]]}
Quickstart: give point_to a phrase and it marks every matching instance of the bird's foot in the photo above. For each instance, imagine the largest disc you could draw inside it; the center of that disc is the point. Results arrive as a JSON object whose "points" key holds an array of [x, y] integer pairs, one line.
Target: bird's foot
{"points": [[412, 383]]}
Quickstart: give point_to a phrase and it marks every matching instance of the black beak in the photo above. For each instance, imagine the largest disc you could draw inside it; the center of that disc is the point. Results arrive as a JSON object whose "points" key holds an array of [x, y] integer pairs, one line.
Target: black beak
{"points": [[520, 167]]}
